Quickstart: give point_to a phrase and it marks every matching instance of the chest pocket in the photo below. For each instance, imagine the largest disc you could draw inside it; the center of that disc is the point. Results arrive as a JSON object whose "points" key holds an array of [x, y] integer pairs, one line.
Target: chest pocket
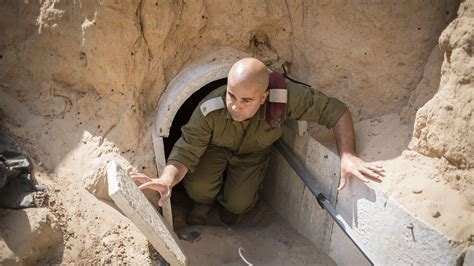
{"points": [[222, 141], [224, 136]]}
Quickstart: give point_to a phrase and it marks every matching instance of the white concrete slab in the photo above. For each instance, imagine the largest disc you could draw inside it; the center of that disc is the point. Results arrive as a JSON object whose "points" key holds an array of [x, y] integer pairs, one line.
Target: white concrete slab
{"points": [[469, 257], [160, 165], [391, 233], [136, 207]]}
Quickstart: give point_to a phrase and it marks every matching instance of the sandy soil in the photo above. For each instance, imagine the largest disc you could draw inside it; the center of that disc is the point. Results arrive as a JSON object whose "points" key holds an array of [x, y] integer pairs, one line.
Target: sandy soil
{"points": [[80, 80]]}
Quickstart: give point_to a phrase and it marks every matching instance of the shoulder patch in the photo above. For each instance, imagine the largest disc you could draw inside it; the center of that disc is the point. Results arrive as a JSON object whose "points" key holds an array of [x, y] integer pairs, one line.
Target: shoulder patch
{"points": [[278, 95], [212, 105]]}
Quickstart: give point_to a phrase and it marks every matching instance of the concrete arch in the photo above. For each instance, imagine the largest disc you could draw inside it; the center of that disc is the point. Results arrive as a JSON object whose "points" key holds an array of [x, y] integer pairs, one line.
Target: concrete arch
{"points": [[187, 82], [181, 88]]}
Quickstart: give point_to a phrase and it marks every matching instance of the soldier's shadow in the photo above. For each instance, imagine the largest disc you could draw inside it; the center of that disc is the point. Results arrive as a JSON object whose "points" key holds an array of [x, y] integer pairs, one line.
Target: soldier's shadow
{"points": [[358, 194]]}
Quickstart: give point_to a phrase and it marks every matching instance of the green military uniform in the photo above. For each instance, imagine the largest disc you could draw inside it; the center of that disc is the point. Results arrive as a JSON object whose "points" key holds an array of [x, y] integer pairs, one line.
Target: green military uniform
{"points": [[212, 142]]}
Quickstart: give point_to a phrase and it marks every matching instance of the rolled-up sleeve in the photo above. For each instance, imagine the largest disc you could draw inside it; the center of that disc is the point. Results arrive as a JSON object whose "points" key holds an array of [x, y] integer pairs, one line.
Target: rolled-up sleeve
{"points": [[308, 104], [195, 137]]}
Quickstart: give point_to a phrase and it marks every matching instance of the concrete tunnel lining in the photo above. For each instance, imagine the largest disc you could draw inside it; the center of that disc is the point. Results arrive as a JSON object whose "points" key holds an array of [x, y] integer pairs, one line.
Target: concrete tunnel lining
{"points": [[183, 85]]}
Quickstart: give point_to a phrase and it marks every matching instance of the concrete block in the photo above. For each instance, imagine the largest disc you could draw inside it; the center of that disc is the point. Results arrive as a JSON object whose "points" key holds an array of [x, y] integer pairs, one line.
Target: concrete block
{"points": [[392, 234], [160, 161], [314, 223], [343, 251], [136, 207], [324, 167], [469, 257], [275, 184], [386, 230], [290, 192], [300, 127], [298, 144], [283, 190]]}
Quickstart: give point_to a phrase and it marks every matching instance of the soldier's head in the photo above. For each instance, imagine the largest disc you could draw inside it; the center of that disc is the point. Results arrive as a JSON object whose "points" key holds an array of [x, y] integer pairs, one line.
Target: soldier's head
{"points": [[247, 85]]}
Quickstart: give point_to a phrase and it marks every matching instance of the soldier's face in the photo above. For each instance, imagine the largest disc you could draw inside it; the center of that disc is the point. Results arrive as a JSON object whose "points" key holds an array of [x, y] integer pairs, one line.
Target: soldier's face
{"points": [[243, 103]]}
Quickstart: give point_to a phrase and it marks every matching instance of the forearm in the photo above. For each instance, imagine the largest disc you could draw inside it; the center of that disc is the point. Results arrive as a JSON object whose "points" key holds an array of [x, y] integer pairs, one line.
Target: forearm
{"points": [[344, 132], [173, 172]]}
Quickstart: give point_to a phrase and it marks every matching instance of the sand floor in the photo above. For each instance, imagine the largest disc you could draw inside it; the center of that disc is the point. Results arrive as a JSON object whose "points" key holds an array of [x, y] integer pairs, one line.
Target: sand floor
{"points": [[262, 233]]}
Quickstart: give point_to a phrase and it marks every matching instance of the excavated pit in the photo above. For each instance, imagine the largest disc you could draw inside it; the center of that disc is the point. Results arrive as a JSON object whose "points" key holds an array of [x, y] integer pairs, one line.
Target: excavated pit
{"points": [[262, 233], [83, 83]]}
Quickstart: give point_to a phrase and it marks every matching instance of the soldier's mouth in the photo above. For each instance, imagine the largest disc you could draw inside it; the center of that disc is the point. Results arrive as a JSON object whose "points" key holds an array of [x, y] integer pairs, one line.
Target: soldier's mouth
{"points": [[236, 117]]}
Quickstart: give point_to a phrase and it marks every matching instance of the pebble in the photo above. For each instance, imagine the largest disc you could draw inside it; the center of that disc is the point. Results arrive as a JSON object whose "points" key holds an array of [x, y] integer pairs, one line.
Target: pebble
{"points": [[436, 214], [417, 191]]}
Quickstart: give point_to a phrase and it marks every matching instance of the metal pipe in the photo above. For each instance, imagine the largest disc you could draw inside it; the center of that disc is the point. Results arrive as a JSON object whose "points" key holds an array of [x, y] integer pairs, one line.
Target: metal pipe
{"points": [[322, 200]]}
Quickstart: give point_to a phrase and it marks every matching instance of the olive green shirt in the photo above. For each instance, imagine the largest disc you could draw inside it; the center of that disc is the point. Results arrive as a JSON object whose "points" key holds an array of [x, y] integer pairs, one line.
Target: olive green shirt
{"points": [[253, 135]]}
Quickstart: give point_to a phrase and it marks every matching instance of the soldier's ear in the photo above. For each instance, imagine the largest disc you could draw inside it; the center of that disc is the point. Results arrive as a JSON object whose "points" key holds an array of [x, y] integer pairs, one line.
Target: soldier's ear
{"points": [[264, 97]]}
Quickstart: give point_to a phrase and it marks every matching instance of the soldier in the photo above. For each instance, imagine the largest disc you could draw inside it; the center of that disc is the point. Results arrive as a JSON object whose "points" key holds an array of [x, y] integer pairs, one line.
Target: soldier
{"points": [[230, 133]]}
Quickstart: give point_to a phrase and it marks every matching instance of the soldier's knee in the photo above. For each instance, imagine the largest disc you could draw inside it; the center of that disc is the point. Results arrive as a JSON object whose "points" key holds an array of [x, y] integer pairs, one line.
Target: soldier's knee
{"points": [[240, 205], [200, 192]]}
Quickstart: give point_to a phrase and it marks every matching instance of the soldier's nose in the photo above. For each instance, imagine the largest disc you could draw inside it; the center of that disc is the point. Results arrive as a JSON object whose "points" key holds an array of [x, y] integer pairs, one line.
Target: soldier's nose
{"points": [[235, 107]]}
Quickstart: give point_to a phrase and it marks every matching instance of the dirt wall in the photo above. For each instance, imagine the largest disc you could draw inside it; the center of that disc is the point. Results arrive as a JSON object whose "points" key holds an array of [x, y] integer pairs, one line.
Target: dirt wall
{"points": [[444, 127], [80, 80], [106, 63]]}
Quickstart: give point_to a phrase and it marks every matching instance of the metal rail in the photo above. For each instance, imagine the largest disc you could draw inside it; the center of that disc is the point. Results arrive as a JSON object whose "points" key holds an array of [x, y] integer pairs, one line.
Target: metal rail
{"points": [[322, 200]]}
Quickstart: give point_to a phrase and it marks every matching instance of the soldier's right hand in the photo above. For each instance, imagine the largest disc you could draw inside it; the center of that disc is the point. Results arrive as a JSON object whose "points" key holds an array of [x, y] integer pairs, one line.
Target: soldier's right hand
{"points": [[157, 184]]}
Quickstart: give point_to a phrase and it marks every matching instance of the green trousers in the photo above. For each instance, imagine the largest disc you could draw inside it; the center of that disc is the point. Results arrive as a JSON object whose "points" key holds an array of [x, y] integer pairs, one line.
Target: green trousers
{"points": [[244, 175]]}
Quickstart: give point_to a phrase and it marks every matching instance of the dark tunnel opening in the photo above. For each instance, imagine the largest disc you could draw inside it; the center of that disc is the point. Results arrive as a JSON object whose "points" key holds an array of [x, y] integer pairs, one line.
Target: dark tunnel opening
{"points": [[179, 198], [185, 111]]}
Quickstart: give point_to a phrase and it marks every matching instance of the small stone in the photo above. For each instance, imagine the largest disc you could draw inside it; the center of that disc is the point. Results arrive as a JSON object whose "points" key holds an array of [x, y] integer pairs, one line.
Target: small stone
{"points": [[436, 214], [417, 191]]}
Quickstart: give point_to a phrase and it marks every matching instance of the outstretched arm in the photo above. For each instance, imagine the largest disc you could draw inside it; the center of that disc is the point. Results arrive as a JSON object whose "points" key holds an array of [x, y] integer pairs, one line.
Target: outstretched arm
{"points": [[173, 173], [350, 163]]}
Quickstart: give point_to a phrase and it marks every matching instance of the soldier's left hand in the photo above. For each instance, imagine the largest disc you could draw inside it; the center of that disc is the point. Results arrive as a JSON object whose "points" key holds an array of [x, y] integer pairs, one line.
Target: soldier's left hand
{"points": [[352, 165]]}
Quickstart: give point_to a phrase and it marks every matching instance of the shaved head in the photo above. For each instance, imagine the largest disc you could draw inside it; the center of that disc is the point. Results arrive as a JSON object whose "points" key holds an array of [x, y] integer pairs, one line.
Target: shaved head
{"points": [[247, 84], [249, 73]]}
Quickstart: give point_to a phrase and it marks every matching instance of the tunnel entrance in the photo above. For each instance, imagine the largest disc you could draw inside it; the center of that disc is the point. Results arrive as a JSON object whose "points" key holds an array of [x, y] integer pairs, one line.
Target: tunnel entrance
{"points": [[286, 209], [258, 233], [185, 111], [180, 201]]}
